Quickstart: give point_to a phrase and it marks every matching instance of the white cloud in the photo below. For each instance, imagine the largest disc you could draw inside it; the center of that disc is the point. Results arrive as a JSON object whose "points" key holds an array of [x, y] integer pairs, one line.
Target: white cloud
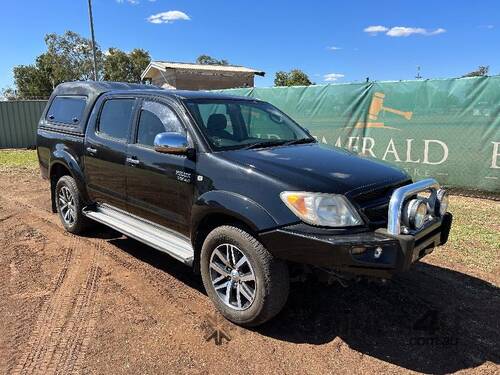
{"points": [[489, 27], [398, 31], [437, 31], [374, 30], [168, 17], [133, 2], [332, 77], [333, 48]]}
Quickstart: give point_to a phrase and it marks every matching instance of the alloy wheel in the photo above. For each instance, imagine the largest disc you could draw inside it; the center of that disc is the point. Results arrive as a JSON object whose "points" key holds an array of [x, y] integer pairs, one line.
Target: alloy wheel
{"points": [[232, 277], [67, 205]]}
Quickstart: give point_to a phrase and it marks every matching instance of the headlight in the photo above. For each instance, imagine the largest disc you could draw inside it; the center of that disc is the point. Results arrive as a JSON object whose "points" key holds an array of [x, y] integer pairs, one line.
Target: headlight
{"points": [[327, 210], [415, 213], [442, 202]]}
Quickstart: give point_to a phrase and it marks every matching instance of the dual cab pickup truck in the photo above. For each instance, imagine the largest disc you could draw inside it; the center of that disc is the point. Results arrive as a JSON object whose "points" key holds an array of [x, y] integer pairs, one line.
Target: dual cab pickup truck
{"points": [[233, 188]]}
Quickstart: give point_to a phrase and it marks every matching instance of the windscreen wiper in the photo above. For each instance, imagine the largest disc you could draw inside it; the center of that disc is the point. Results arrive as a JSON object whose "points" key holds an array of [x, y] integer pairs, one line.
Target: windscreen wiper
{"points": [[265, 144], [300, 141]]}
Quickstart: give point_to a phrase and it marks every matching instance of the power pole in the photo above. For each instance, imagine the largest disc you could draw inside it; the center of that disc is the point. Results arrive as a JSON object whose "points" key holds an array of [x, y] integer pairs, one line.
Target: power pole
{"points": [[91, 19]]}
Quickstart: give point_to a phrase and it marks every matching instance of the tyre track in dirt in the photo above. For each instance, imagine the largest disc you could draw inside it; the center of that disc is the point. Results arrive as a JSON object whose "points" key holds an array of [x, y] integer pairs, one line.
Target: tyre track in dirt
{"points": [[187, 305], [38, 355], [61, 333], [64, 315], [19, 288], [191, 306]]}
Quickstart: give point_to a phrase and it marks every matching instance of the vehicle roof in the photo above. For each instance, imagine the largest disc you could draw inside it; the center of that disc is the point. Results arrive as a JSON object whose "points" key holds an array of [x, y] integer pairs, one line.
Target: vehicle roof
{"points": [[92, 89], [186, 94]]}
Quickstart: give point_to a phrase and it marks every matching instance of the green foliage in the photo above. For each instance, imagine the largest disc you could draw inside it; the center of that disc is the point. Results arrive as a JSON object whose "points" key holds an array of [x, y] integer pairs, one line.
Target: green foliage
{"points": [[480, 72], [69, 58], [31, 82], [125, 67], [9, 93], [140, 60], [209, 60], [295, 77]]}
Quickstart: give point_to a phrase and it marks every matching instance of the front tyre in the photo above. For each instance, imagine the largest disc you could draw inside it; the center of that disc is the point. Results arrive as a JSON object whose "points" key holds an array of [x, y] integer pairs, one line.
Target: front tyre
{"points": [[245, 282], [69, 205]]}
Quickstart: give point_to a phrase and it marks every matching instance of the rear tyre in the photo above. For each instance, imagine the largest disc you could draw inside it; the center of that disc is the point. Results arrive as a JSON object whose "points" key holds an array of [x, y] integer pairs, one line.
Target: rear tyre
{"points": [[244, 281], [69, 205]]}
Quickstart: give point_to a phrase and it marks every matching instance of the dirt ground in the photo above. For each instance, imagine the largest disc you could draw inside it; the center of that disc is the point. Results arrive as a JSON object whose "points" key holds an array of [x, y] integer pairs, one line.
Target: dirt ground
{"points": [[107, 304]]}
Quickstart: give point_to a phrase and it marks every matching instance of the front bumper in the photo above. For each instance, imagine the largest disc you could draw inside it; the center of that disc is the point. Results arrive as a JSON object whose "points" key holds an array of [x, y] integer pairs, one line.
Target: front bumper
{"points": [[356, 253]]}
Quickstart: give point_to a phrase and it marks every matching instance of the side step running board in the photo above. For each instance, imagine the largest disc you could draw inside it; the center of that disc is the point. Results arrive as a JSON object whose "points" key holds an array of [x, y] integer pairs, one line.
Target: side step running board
{"points": [[146, 232]]}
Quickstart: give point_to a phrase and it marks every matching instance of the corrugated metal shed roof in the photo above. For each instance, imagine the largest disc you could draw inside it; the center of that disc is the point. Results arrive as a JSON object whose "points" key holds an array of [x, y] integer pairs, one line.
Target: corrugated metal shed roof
{"points": [[164, 65]]}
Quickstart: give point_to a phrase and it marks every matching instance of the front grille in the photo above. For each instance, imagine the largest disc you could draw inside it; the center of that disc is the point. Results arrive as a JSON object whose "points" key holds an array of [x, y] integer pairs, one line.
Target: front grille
{"points": [[374, 204]]}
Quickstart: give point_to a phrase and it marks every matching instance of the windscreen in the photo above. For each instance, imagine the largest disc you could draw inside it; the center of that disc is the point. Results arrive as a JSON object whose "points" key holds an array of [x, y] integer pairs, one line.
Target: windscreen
{"points": [[233, 124]]}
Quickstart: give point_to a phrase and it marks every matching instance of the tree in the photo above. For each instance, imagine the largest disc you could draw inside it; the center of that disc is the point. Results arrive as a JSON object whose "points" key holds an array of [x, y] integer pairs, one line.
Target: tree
{"points": [[125, 67], [31, 82], [480, 72], [117, 65], [68, 58], [281, 79], [209, 60], [8, 93], [140, 60], [295, 77]]}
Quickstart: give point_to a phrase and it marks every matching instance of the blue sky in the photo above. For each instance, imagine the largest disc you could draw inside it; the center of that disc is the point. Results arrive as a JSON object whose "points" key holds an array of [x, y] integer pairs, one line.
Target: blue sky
{"points": [[332, 41]]}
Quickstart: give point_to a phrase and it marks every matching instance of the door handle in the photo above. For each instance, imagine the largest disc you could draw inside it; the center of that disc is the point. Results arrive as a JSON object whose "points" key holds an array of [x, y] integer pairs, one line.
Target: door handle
{"points": [[132, 161], [91, 150]]}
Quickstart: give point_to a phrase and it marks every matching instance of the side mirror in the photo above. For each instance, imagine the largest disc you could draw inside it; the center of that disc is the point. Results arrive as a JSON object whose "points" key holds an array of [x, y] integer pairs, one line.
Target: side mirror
{"points": [[171, 143]]}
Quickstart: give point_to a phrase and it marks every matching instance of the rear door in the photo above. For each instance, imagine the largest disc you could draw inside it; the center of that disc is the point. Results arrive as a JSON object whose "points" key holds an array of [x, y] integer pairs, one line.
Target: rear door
{"points": [[105, 150], [159, 186]]}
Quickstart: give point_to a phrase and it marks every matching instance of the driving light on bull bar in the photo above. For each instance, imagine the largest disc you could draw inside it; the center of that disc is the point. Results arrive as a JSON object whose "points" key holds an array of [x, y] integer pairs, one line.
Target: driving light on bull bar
{"points": [[442, 202], [415, 213], [329, 210]]}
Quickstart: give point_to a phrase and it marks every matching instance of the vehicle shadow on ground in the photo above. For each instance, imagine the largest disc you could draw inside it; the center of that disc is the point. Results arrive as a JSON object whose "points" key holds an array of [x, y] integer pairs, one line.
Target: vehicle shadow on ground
{"points": [[431, 320]]}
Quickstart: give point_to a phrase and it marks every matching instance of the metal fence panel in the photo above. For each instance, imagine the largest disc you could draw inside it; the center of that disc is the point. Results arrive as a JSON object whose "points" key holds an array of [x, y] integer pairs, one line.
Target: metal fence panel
{"points": [[18, 122]]}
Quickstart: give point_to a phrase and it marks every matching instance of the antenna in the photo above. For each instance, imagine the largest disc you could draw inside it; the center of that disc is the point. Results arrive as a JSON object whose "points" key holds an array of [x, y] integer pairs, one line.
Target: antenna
{"points": [[91, 20]]}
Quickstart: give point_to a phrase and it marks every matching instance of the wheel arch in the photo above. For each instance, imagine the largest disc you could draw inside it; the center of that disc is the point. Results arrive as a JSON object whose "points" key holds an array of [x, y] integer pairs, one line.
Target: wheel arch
{"points": [[217, 208], [64, 164]]}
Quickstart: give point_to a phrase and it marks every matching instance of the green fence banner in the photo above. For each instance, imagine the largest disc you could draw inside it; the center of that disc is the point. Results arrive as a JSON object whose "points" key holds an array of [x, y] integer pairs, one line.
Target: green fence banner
{"points": [[446, 129]]}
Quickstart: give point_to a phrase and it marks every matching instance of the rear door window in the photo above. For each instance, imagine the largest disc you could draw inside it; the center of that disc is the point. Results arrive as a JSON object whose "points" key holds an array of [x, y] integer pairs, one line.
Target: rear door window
{"points": [[115, 118], [67, 109]]}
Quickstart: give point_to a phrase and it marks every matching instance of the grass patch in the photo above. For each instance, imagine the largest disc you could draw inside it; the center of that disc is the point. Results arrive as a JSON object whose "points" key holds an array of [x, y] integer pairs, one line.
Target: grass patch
{"points": [[18, 159], [475, 234]]}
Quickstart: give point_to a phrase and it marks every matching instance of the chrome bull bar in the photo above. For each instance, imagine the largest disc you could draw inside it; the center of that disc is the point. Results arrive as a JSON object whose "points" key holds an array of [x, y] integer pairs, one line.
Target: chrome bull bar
{"points": [[398, 197]]}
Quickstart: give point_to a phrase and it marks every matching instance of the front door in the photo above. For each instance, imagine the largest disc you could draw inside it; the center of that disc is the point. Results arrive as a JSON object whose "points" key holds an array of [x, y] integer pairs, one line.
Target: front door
{"points": [[159, 186], [105, 151]]}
